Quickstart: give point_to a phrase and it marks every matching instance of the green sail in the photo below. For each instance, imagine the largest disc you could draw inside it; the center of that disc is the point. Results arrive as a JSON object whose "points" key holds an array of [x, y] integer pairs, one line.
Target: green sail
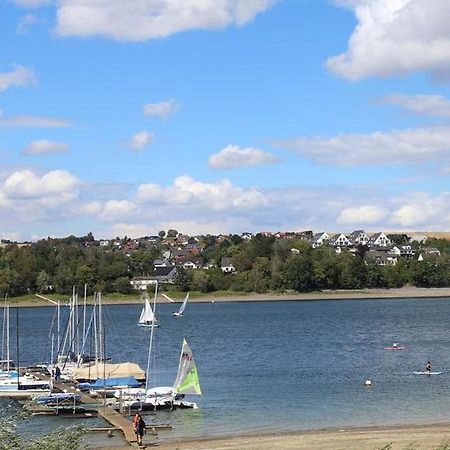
{"points": [[187, 381], [191, 382]]}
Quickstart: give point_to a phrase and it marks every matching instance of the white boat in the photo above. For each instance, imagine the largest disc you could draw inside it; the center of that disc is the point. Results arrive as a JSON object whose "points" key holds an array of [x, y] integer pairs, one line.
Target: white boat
{"points": [[147, 317], [166, 397], [180, 312]]}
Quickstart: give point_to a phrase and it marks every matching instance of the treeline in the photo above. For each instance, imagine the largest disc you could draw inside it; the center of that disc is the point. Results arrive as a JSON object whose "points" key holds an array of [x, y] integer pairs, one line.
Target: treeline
{"points": [[263, 264]]}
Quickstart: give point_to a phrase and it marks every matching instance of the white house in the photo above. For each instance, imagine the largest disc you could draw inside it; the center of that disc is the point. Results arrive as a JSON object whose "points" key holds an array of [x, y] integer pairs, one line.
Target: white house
{"points": [[319, 239], [379, 240], [340, 240]]}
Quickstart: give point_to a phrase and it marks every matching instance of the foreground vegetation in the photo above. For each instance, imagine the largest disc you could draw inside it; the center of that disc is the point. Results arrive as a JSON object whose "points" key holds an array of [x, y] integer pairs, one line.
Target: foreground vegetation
{"points": [[263, 264]]}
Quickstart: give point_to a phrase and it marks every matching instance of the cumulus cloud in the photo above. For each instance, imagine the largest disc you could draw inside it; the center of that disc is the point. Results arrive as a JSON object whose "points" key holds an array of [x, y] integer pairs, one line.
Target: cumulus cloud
{"points": [[416, 145], [141, 20], [42, 147], [113, 209], [395, 37], [362, 215], [216, 196], [33, 122], [55, 202], [423, 105], [161, 109], [19, 76], [25, 184], [140, 140], [234, 156]]}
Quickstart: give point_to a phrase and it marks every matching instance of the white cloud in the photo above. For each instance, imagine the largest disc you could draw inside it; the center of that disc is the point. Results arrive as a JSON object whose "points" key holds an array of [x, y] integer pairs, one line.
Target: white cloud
{"points": [[423, 210], [33, 122], [26, 184], [58, 203], [234, 156], [188, 192], [362, 215], [132, 230], [408, 146], [161, 109], [423, 105], [113, 209], [42, 147], [395, 37], [140, 140], [20, 76], [141, 20]]}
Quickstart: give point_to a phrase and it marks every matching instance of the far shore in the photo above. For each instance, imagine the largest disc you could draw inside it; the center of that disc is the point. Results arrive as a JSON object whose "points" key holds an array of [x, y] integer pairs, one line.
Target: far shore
{"points": [[404, 292]]}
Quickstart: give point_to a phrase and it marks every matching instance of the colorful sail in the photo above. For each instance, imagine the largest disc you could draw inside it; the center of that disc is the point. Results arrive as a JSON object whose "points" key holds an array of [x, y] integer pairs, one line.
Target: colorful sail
{"points": [[187, 381]]}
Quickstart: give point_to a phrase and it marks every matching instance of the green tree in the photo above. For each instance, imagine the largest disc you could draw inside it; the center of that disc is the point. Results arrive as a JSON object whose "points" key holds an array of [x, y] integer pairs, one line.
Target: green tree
{"points": [[200, 281], [172, 233], [43, 282], [123, 286]]}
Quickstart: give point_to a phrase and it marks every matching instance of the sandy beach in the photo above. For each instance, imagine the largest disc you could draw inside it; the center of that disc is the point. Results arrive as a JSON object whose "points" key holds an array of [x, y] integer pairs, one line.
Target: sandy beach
{"points": [[404, 292], [421, 437]]}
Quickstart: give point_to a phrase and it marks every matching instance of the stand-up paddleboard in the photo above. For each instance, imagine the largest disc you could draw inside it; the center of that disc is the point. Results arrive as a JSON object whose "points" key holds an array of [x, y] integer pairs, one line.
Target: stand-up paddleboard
{"points": [[427, 373], [395, 348]]}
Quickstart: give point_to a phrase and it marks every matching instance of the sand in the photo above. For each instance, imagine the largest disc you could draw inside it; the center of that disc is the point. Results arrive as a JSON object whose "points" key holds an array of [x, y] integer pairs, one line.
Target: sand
{"points": [[421, 437], [404, 292]]}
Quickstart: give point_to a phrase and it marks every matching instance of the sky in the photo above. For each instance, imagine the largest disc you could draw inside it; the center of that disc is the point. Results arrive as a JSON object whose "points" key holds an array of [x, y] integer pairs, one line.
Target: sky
{"points": [[223, 116]]}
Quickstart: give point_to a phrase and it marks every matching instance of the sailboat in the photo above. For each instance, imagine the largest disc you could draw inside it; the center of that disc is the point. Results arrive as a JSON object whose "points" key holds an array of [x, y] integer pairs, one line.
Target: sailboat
{"points": [[182, 307], [147, 317], [167, 397]]}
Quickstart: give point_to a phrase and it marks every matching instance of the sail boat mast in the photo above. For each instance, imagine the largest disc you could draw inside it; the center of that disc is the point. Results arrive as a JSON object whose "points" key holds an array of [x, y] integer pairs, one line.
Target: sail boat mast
{"points": [[147, 377]]}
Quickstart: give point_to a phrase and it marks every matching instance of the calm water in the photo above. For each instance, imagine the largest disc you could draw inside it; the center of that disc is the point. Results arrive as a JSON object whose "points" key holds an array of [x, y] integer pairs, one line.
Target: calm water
{"points": [[283, 366]]}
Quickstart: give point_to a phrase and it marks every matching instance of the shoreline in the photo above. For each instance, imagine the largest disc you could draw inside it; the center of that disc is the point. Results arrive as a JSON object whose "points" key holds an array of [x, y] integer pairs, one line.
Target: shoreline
{"points": [[399, 437], [357, 294]]}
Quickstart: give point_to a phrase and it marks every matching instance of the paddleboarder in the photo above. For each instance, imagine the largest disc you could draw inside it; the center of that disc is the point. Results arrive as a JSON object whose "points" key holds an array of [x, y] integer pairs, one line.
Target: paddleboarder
{"points": [[428, 368]]}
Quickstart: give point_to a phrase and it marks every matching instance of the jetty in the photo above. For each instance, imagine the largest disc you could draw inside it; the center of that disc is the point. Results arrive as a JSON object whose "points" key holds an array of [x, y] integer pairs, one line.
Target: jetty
{"points": [[99, 405]]}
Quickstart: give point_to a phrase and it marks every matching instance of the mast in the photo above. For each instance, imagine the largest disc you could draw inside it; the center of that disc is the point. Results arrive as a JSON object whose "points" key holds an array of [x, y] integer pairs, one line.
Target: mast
{"points": [[147, 376], [100, 326], [84, 312], [58, 313], [7, 338], [17, 348]]}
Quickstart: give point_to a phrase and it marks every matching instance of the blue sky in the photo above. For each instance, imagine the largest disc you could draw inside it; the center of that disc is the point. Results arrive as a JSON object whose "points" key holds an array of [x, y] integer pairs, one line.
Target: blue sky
{"points": [[223, 116]]}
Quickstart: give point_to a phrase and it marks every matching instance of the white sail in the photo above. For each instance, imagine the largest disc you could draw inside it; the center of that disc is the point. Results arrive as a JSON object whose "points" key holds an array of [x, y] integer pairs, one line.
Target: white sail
{"points": [[183, 305], [187, 381], [147, 315]]}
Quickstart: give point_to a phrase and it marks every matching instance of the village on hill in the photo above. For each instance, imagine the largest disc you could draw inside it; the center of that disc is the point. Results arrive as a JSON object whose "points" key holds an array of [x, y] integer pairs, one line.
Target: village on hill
{"points": [[262, 262]]}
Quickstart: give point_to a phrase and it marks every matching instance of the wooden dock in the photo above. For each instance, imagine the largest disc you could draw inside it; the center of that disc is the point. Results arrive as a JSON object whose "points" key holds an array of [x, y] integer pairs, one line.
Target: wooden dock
{"points": [[109, 414]]}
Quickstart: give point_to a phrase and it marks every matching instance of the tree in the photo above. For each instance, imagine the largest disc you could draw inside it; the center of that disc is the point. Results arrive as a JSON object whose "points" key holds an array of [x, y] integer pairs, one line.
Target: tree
{"points": [[298, 273], [161, 234], [200, 281], [172, 233], [123, 286], [67, 438], [43, 282]]}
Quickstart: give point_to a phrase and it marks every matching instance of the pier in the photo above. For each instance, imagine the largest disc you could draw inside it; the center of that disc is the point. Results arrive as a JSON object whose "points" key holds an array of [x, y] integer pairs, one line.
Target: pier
{"points": [[117, 421]]}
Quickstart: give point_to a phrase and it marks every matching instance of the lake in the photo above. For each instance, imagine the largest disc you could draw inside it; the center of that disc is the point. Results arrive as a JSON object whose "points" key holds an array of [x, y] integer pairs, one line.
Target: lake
{"points": [[281, 365]]}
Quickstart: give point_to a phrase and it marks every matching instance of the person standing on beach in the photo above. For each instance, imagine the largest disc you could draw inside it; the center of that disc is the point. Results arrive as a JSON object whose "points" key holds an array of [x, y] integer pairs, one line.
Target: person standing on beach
{"points": [[139, 428]]}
